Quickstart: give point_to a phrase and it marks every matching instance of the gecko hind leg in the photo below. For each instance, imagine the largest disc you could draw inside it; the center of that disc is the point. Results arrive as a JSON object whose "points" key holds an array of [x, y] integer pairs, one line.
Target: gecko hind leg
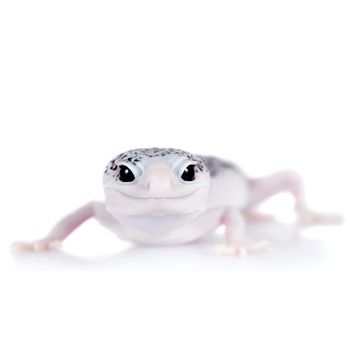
{"points": [[287, 181], [65, 227]]}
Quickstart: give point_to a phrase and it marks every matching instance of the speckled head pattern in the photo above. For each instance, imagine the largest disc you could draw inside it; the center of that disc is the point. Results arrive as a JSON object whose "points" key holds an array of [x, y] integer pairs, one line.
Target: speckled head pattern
{"points": [[141, 156]]}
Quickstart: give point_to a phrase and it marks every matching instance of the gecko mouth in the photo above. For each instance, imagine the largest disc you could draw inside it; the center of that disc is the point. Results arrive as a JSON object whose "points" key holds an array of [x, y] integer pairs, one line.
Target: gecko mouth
{"points": [[118, 202], [160, 197]]}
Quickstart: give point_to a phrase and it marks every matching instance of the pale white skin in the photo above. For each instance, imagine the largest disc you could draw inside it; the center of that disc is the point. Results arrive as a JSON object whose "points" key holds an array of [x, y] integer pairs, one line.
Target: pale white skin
{"points": [[160, 208]]}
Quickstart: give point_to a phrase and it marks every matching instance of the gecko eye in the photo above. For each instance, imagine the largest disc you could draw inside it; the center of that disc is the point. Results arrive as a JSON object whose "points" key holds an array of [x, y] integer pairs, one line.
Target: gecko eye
{"points": [[125, 174], [189, 173]]}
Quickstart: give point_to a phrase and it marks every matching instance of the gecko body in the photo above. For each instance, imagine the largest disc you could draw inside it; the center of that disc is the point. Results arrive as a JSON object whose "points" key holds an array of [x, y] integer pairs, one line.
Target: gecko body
{"points": [[166, 196]]}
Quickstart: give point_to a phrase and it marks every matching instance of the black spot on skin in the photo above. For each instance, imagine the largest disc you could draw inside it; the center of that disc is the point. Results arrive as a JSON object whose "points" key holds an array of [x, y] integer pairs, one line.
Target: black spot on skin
{"points": [[137, 155]]}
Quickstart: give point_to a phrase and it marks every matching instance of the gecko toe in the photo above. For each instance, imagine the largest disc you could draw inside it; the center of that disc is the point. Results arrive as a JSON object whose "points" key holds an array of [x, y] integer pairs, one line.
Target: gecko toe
{"points": [[35, 246], [241, 249]]}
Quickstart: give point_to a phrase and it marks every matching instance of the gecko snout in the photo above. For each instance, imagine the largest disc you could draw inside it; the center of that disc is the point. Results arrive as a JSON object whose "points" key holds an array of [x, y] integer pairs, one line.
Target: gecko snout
{"points": [[159, 178], [158, 183]]}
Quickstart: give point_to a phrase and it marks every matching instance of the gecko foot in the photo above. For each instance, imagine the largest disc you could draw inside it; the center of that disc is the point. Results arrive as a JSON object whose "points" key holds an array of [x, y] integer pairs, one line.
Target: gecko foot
{"points": [[308, 217], [36, 246], [241, 249]]}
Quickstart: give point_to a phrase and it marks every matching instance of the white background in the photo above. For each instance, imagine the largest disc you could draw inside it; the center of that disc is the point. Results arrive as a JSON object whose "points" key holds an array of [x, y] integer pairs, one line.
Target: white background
{"points": [[264, 83]]}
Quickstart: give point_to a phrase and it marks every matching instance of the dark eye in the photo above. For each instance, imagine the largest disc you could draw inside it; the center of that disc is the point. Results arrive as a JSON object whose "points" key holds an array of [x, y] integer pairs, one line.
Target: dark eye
{"points": [[125, 174], [189, 173]]}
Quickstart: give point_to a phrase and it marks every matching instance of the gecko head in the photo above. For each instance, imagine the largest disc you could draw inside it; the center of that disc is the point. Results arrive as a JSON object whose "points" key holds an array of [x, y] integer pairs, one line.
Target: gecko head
{"points": [[156, 182]]}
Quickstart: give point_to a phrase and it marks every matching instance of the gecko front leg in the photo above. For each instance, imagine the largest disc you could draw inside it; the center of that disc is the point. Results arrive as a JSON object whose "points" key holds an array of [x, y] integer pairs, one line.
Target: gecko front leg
{"points": [[236, 243], [66, 226]]}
